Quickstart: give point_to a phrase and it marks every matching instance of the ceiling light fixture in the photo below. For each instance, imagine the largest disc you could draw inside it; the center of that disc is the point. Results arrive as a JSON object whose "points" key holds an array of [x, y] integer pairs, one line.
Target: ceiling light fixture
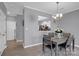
{"points": [[59, 15]]}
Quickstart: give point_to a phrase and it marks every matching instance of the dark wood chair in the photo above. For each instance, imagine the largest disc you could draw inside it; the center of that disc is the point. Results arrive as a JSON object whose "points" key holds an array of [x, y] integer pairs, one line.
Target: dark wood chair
{"points": [[48, 43], [66, 44]]}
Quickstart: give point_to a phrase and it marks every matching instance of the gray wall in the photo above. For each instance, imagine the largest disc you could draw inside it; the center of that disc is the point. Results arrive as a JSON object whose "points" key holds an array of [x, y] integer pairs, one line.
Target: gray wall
{"points": [[2, 29], [19, 27], [32, 35], [3, 8], [70, 23]]}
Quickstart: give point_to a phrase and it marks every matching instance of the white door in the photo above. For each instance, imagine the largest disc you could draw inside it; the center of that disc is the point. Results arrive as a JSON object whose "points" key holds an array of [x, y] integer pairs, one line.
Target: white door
{"points": [[11, 26], [2, 31]]}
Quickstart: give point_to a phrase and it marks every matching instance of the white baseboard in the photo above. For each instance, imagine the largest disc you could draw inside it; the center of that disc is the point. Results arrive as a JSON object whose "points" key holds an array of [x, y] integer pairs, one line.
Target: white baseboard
{"points": [[10, 39], [41, 43], [19, 40], [2, 49], [77, 46], [32, 45]]}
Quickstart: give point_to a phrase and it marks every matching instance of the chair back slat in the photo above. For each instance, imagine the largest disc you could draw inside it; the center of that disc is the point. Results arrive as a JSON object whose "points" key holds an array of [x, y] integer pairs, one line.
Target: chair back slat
{"points": [[46, 39], [51, 34], [69, 40]]}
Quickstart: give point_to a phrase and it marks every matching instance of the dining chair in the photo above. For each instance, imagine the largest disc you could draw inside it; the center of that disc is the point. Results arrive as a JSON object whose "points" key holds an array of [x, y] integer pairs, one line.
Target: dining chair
{"points": [[66, 44], [48, 43], [50, 34]]}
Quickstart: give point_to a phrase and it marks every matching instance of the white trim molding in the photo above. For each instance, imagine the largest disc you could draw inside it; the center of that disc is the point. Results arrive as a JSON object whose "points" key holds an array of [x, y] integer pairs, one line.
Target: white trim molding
{"points": [[19, 40], [32, 45], [36, 9], [40, 44], [77, 46]]}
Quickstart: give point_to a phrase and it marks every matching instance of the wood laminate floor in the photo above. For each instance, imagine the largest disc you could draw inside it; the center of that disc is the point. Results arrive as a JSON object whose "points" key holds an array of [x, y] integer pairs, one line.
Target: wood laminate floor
{"points": [[16, 49]]}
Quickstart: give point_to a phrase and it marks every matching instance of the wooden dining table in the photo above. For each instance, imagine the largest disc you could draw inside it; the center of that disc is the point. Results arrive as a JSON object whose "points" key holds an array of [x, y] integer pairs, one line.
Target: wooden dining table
{"points": [[56, 40]]}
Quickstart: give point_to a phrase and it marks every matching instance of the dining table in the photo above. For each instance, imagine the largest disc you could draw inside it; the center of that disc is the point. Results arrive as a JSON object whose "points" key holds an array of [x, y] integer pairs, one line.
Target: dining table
{"points": [[59, 40]]}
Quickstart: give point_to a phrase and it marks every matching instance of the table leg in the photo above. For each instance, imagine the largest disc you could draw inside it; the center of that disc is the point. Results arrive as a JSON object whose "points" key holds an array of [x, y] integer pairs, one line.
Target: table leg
{"points": [[51, 48], [73, 44], [70, 49], [43, 48], [57, 49]]}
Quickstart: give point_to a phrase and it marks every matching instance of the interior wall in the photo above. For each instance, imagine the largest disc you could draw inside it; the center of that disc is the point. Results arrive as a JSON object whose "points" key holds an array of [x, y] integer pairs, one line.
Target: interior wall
{"points": [[3, 8], [2, 31], [32, 35], [19, 28], [70, 23]]}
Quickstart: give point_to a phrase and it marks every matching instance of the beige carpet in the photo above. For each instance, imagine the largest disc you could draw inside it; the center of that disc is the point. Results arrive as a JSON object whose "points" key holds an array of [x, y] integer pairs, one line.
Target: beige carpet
{"points": [[16, 49]]}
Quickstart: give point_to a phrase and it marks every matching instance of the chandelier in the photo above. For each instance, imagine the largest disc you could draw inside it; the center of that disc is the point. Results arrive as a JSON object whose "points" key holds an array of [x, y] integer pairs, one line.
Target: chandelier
{"points": [[59, 15]]}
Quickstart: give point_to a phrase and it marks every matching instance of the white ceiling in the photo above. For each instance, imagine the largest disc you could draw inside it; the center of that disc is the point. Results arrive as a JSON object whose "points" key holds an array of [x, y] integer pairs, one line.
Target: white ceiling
{"points": [[49, 7]]}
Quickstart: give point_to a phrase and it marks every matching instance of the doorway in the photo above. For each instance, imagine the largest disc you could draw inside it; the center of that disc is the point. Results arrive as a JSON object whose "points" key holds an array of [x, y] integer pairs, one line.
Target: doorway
{"points": [[14, 31], [11, 31]]}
